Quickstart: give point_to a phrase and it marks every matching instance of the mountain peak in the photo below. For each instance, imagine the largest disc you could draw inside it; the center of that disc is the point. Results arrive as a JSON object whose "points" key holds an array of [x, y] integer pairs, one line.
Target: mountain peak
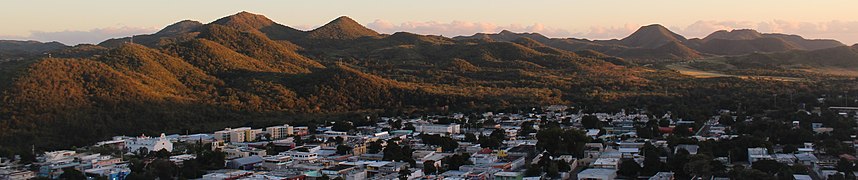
{"points": [[180, 27], [245, 21], [652, 36], [341, 28], [505, 32], [735, 34]]}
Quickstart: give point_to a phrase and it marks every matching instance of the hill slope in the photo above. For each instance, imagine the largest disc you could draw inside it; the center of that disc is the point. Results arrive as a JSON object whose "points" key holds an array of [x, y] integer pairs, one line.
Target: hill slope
{"points": [[652, 36], [342, 28]]}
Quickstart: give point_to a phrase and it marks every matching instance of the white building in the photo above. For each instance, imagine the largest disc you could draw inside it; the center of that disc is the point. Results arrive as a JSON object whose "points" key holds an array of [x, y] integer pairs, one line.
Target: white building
{"points": [[756, 154], [439, 128], [151, 144], [607, 163], [55, 156]]}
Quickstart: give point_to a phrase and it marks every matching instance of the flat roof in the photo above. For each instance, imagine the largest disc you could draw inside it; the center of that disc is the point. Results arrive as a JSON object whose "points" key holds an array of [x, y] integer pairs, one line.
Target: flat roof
{"points": [[597, 172]]}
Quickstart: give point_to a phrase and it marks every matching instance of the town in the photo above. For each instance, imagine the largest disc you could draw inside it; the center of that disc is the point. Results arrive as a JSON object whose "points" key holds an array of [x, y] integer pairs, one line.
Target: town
{"points": [[553, 142]]}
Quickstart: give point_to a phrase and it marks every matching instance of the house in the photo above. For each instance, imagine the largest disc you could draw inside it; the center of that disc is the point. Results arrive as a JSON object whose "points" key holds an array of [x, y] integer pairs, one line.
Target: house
{"points": [[607, 163], [692, 149], [597, 174], [8, 174], [245, 163], [756, 154], [593, 150]]}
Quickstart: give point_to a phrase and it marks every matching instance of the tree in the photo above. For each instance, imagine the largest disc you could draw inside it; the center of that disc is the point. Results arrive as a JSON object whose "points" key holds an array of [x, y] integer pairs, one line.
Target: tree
{"points": [[343, 149], [532, 171], [749, 174], [678, 161], [446, 143], [392, 151], [768, 166], [470, 137], [726, 119], [395, 124], [844, 165], [456, 160], [527, 128], [552, 170], [404, 173], [699, 165], [71, 173], [429, 167], [164, 169], [163, 153], [374, 147], [629, 168], [664, 123], [558, 141], [789, 148], [652, 160], [591, 122], [498, 134], [342, 126], [682, 130], [191, 169]]}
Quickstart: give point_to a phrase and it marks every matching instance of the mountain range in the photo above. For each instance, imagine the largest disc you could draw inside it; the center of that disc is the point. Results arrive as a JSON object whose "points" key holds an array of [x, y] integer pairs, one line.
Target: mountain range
{"points": [[245, 69]]}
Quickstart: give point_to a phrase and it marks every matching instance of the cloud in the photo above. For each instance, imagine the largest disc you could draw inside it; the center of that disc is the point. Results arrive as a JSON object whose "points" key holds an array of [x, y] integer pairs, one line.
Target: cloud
{"points": [[92, 36], [845, 31], [611, 32], [459, 28]]}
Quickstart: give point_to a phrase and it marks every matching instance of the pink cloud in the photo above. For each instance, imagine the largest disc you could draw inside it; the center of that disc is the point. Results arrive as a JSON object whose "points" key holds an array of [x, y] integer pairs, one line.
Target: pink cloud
{"points": [[609, 32], [92, 36], [845, 31]]}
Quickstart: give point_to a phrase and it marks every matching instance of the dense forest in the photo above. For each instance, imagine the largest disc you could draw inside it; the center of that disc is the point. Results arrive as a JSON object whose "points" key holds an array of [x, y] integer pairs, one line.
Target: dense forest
{"points": [[246, 70]]}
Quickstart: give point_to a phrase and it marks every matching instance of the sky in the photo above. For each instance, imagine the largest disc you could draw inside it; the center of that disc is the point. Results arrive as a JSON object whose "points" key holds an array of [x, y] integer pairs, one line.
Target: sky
{"points": [[92, 21]]}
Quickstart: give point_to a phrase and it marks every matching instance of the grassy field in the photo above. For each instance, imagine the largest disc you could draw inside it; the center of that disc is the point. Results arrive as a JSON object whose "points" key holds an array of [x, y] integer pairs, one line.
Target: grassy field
{"points": [[686, 69]]}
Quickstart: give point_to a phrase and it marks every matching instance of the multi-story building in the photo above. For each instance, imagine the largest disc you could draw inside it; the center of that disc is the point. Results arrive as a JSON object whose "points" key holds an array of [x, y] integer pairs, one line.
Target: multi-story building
{"points": [[439, 128], [280, 132], [301, 130], [242, 134]]}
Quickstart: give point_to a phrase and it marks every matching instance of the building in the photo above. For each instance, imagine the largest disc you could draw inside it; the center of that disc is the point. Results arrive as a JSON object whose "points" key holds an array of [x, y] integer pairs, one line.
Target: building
{"points": [[607, 163], [55, 156], [280, 132], [301, 130], [508, 176], [756, 154], [304, 153], [662, 176], [150, 144], [439, 128], [245, 163], [8, 174], [242, 134], [597, 174]]}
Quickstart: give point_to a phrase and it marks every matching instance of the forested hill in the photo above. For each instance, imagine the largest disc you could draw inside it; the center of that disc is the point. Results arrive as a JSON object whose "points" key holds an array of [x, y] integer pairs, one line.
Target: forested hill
{"points": [[247, 70]]}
